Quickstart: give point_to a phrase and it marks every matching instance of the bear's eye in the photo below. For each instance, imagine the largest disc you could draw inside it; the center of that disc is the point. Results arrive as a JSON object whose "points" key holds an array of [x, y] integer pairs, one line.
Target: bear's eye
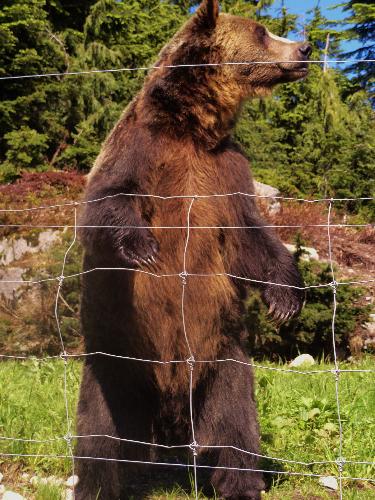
{"points": [[261, 32]]}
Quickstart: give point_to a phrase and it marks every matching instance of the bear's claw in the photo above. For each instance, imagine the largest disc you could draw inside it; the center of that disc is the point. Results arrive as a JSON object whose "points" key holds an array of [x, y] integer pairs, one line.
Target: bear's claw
{"points": [[138, 249], [281, 317], [284, 303]]}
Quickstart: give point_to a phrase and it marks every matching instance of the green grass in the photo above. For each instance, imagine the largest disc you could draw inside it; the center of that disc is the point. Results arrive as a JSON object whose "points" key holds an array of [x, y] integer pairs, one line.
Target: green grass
{"points": [[49, 492], [298, 419]]}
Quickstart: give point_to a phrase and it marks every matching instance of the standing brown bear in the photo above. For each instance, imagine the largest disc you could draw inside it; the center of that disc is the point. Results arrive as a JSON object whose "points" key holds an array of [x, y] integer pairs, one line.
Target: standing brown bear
{"points": [[174, 141]]}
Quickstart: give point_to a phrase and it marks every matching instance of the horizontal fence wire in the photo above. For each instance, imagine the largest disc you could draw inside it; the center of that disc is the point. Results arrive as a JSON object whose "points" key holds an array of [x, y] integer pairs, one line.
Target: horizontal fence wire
{"points": [[199, 275], [183, 465], [76, 203], [182, 361], [181, 446], [175, 66], [114, 226]]}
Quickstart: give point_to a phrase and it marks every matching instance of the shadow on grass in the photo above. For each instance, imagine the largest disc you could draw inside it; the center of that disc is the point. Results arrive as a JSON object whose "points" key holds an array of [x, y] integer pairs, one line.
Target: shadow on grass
{"points": [[169, 482], [272, 478], [162, 481]]}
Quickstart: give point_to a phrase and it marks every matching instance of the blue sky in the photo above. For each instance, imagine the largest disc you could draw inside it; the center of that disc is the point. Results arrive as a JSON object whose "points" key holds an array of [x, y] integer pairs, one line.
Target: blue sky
{"points": [[301, 7]]}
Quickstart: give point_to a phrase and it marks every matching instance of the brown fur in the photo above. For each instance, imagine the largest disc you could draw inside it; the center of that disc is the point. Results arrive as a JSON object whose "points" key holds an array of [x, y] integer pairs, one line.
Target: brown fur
{"points": [[174, 140]]}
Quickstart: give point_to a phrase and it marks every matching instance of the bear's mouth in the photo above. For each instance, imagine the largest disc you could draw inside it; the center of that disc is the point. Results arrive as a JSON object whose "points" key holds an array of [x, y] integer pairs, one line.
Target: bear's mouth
{"points": [[292, 72], [298, 69]]}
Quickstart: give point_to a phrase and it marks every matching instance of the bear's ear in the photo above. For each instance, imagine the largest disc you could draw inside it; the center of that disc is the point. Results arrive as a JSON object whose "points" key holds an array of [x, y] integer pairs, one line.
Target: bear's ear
{"points": [[208, 13]]}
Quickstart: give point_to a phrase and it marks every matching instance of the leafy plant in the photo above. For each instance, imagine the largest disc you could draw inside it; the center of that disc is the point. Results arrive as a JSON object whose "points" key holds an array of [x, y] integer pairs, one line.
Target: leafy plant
{"points": [[311, 332]]}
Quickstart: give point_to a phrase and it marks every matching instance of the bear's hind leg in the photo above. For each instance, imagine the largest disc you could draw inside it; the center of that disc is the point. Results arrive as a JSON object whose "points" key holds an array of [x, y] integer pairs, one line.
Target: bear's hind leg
{"points": [[228, 417], [109, 406]]}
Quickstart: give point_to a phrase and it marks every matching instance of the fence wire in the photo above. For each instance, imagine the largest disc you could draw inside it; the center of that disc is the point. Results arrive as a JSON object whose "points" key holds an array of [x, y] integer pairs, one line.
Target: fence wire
{"points": [[324, 63], [192, 358], [61, 278]]}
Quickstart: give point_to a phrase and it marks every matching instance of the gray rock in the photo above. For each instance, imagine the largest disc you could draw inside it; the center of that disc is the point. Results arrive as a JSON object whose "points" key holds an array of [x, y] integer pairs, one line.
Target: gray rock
{"points": [[268, 192], [72, 481], [11, 291], [34, 480], [55, 480], [12, 249], [11, 495], [69, 495], [329, 482], [302, 360], [309, 252]]}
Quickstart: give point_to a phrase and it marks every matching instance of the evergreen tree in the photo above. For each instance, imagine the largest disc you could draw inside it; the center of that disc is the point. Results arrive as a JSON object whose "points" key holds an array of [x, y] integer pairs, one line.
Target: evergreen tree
{"points": [[60, 122], [30, 117], [362, 20], [315, 137], [116, 34]]}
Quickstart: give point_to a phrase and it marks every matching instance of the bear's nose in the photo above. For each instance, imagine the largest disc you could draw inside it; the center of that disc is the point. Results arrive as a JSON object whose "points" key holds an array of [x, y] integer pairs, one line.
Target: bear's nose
{"points": [[305, 49]]}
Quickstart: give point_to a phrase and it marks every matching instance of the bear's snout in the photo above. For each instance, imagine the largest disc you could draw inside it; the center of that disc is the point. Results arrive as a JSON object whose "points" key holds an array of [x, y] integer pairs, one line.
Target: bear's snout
{"points": [[305, 50]]}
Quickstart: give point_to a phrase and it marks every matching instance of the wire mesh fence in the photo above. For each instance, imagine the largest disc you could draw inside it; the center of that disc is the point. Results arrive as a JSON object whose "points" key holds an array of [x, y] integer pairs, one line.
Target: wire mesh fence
{"points": [[186, 277]]}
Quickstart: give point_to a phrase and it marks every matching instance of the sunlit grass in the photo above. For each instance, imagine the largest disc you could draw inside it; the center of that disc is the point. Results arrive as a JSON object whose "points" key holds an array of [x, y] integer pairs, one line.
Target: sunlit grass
{"points": [[298, 418]]}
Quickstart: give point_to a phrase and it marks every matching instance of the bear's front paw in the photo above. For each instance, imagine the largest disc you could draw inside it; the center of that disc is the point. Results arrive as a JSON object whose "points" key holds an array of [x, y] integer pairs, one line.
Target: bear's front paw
{"points": [[138, 248], [284, 303]]}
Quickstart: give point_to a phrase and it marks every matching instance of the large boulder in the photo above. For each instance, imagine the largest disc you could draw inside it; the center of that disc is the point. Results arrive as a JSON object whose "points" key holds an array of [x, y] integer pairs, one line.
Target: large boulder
{"points": [[269, 194], [309, 253]]}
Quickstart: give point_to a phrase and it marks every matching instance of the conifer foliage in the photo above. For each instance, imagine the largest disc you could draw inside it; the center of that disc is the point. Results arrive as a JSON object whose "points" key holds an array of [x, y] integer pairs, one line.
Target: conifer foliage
{"points": [[362, 27], [315, 137]]}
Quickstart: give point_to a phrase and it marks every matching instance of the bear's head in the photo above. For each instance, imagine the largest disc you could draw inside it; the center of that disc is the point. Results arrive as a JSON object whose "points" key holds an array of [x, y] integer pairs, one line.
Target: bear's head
{"points": [[213, 38], [215, 62]]}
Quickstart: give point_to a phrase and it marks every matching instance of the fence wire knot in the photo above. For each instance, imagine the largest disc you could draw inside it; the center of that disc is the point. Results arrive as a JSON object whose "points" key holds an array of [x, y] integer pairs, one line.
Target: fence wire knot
{"points": [[183, 277], [68, 438], [334, 284], [64, 356], [336, 372], [194, 448], [191, 362], [60, 279], [340, 463]]}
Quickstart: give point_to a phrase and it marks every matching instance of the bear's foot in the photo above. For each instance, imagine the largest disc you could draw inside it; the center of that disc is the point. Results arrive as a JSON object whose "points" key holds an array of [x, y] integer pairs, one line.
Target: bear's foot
{"points": [[250, 491]]}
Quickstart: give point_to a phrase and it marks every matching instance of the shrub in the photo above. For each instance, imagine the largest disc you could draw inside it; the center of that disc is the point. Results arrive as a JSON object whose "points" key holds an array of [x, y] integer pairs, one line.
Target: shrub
{"points": [[25, 148], [311, 332]]}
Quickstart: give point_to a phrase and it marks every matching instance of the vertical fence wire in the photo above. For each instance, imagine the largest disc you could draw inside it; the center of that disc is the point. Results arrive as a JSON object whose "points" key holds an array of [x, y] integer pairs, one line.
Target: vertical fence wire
{"points": [[191, 360], [336, 371], [63, 354]]}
